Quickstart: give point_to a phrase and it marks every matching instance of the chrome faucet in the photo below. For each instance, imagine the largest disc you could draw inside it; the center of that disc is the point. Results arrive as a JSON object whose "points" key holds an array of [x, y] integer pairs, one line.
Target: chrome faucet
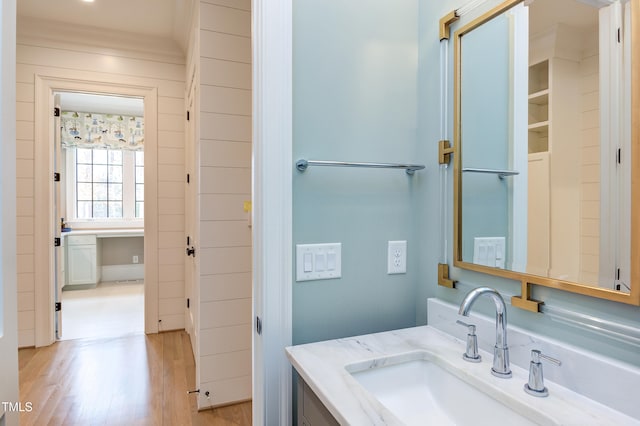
{"points": [[500, 350], [536, 386]]}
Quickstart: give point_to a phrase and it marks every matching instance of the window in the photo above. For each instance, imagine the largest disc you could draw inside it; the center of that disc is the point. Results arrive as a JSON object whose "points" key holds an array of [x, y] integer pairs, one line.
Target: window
{"points": [[105, 185], [98, 184], [139, 184]]}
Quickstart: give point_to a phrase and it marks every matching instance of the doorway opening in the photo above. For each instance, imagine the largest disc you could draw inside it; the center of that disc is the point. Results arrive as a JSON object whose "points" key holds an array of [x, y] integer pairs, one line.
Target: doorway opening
{"points": [[99, 212]]}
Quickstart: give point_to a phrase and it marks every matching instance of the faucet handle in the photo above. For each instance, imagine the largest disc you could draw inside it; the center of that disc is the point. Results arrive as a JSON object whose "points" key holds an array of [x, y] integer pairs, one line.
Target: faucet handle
{"points": [[536, 355], [535, 386], [471, 354]]}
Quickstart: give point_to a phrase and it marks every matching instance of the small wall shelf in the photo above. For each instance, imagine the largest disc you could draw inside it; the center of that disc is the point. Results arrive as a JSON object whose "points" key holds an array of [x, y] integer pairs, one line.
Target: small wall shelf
{"points": [[539, 95], [539, 98], [541, 126]]}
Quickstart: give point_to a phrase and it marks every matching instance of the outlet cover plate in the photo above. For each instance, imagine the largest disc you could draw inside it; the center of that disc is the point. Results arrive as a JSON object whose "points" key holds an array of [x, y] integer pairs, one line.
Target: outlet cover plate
{"points": [[397, 257]]}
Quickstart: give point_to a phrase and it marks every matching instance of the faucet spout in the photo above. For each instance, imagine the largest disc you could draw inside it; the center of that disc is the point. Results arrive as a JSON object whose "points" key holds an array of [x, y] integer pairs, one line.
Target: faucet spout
{"points": [[501, 350]]}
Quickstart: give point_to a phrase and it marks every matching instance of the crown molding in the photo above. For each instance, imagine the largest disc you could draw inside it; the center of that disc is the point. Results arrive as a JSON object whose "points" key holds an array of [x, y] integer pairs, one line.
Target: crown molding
{"points": [[53, 34]]}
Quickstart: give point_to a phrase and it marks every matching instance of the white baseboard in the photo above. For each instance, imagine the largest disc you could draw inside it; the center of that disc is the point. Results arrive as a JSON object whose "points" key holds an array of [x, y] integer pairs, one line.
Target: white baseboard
{"points": [[123, 272]]}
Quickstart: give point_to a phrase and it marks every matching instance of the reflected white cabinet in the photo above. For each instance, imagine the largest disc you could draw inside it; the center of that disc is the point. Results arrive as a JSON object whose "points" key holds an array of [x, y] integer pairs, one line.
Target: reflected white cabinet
{"points": [[82, 260]]}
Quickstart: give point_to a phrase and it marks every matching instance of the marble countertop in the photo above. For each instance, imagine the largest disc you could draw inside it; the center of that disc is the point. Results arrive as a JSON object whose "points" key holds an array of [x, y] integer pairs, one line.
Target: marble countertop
{"points": [[322, 366]]}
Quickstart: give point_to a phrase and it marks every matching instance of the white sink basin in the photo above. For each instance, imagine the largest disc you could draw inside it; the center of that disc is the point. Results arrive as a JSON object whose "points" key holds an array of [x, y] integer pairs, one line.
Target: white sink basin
{"points": [[419, 391]]}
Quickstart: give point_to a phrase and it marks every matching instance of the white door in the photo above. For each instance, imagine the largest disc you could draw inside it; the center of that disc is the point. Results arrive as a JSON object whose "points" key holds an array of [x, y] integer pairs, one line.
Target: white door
{"points": [[57, 215], [615, 147], [191, 227]]}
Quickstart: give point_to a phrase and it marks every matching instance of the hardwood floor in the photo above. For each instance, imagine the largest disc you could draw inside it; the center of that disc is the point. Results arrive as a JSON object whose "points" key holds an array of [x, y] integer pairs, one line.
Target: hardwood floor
{"points": [[129, 380]]}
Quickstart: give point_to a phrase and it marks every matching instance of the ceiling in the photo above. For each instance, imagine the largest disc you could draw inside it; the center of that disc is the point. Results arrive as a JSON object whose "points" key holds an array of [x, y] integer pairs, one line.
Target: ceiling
{"points": [[161, 19], [580, 14], [164, 19]]}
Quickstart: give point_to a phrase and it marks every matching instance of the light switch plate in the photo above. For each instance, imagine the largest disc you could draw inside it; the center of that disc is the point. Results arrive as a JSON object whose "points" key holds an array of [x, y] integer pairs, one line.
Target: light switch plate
{"points": [[326, 261], [489, 251], [397, 257]]}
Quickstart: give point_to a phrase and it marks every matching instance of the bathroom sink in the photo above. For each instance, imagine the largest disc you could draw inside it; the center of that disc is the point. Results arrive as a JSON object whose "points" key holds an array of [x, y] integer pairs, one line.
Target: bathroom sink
{"points": [[418, 391]]}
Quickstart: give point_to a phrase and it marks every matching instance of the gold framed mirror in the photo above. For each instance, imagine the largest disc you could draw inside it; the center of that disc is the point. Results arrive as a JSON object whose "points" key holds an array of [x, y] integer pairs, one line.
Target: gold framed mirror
{"points": [[547, 147]]}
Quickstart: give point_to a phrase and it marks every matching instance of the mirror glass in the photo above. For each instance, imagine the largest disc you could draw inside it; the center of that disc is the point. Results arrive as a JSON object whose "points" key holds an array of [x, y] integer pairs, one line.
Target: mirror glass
{"points": [[544, 142]]}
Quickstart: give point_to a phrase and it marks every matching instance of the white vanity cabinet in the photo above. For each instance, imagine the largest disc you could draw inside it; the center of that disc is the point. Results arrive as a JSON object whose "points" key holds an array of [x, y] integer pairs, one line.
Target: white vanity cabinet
{"points": [[311, 411], [82, 260]]}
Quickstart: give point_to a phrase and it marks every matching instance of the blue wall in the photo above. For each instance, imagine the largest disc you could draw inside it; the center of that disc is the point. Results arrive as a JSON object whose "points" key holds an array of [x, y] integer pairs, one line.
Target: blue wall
{"points": [[428, 135], [354, 88], [367, 88]]}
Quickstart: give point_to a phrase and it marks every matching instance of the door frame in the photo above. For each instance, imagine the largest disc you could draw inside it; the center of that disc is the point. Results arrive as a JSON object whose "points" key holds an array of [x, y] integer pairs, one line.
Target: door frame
{"points": [[44, 229], [272, 24], [192, 221], [8, 239]]}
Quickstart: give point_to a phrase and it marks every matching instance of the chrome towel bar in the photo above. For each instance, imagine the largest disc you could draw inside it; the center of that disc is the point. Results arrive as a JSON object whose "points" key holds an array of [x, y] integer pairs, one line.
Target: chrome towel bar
{"points": [[501, 173], [302, 165]]}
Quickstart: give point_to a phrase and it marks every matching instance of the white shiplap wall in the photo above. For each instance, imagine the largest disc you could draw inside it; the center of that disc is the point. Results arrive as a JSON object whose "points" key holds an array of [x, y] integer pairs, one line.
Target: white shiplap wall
{"points": [[225, 183], [590, 166], [45, 49]]}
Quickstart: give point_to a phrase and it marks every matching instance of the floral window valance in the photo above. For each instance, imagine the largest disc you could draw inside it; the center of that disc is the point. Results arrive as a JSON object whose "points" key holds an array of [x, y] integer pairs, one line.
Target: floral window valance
{"points": [[112, 131]]}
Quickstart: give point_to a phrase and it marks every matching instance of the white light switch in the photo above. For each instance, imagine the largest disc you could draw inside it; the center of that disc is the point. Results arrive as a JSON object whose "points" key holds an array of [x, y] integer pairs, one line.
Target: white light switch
{"points": [[321, 262], [331, 261], [318, 261], [308, 262], [491, 254]]}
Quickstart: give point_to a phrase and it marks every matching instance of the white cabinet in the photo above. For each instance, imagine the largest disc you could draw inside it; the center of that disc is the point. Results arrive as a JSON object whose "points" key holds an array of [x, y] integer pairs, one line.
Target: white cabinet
{"points": [[556, 141], [311, 411], [82, 260]]}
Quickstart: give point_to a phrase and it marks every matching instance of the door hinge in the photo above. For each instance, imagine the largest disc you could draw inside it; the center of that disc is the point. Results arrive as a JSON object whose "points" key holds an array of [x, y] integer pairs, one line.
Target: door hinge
{"points": [[56, 177], [188, 240], [58, 306], [56, 242], [619, 156], [188, 115], [258, 325], [188, 303], [188, 177], [56, 112], [618, 35]]}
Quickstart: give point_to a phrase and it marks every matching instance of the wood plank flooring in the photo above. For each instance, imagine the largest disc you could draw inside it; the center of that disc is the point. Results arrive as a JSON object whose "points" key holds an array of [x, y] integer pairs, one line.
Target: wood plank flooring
{"points": [[129, 380]]}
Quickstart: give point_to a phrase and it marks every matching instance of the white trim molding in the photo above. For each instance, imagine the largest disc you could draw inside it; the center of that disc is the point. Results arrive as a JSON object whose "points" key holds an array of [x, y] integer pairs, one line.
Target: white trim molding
{"points": [[45, 86], [272, 209], [128, 272], [8, 240]]}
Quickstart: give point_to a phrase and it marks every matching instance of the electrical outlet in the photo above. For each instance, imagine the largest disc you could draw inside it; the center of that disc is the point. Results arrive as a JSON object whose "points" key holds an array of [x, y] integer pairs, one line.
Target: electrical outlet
{"points": [[135, 259], [397, 257]]}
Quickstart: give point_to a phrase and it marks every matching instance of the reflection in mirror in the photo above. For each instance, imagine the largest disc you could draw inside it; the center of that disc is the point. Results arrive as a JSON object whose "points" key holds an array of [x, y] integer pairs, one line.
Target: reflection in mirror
{"points": [[544, 133]]}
